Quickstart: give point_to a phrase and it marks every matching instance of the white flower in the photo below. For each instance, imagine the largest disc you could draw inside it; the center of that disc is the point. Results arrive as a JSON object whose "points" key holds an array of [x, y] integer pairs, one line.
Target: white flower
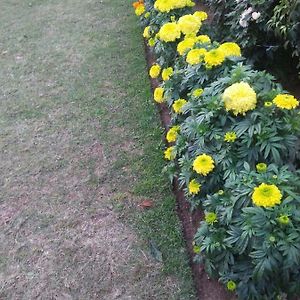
{"points": [[255, 15], [243, 23]]}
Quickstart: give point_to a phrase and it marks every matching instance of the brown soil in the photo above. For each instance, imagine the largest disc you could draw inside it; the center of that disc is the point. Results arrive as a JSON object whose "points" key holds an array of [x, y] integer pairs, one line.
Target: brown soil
{"points": [[206, 288]]}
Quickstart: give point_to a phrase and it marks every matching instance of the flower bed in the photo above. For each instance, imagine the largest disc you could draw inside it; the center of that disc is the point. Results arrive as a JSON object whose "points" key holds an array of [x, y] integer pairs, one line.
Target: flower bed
{"points": [[233, 147]]}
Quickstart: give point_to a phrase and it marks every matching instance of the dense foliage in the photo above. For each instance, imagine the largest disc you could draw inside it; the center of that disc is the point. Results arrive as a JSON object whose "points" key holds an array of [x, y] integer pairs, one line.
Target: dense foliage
{"points": [[261, 27], [233, 144]]}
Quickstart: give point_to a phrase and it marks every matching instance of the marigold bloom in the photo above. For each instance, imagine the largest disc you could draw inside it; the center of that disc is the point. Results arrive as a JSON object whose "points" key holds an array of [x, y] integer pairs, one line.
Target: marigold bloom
{"points": [[203, 39], [140, 9], [169, 153], [168, 5], [203, 164], [201, 15], [178, 105], [195, 56], [169, 32], [261, 167], [146, 33], [189, 24], [167, 73], [159, 95], [239, 98], [197, 93], [266, 195], [285, 101], [230, 49], [230, 137], [154, 71], [194, 187], [210, 218], [136, 4], [214, 58], [185, 45], [172, 133]]}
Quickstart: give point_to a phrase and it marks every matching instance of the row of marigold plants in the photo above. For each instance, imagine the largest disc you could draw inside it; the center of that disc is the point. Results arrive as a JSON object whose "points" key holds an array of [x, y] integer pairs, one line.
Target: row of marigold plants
{"points": [[233, 145]]}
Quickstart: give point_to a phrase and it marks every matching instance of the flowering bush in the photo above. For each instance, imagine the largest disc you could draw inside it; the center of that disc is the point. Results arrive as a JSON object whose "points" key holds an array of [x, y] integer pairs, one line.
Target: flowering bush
{"points": [[233, 145], [261, 27]]}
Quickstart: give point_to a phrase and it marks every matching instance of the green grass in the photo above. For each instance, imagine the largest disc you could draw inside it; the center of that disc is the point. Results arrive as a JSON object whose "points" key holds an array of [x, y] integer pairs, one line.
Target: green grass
{"points": [[80, 135]]}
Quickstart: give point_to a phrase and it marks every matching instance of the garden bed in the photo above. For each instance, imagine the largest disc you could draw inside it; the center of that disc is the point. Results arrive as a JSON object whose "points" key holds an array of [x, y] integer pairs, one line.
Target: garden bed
{"points": [[233, 138]]}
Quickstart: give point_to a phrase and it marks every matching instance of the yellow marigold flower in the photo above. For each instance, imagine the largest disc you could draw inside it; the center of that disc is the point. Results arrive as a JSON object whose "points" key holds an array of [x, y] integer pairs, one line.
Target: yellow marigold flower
{"points": [[203, 39], [185, 45], [283, 219], [239, 98], [159, 95], [266, 195], [151, 42], [147, 15], [194, 187], [154, 71], [231, 285], [230, 137], [285, 101], [169, 32], [268, 104], [189, 24], [172, 133], [169, 153], [195, 56], [140, 10], [203, 164], [197, 93], [214, 58], [178, 105], [210, 218], [230, 49], [168, 5], [146, 33], [202, 15], [261, 167], [167, 73]]}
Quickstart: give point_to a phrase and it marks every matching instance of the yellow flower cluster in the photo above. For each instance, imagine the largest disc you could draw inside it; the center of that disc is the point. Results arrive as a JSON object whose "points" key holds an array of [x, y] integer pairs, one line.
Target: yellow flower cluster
{"points": [[172, 133], [159, 95], [214, 58], [189, 24], [146, 33], [154, 71], [169, 32], [169, 153], [230, 137], [178, 105], [168, 5], [194, 187], [195, 56], [230, 49], [239, 98], [203, 164], [166, 73], [189, 42], [285, 101], [266, 195]]}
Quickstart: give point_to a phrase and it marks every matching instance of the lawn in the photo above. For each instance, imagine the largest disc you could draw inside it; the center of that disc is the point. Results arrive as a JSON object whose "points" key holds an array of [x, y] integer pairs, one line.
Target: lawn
{"points": [[81, 149]]}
